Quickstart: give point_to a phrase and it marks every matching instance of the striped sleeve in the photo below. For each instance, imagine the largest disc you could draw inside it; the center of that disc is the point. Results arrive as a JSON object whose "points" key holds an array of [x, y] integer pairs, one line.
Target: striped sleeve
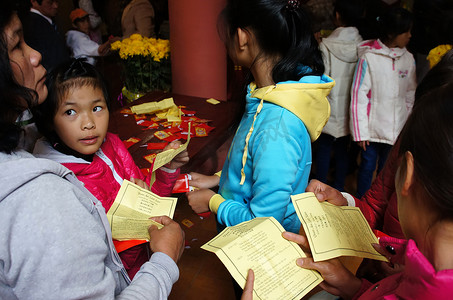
{"points": [[360, 91]]}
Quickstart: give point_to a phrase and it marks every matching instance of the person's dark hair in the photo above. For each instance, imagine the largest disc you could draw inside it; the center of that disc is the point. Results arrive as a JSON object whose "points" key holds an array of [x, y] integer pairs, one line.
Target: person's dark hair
{"points": [[14, 98], [282, 29], [351, 11], [394, 22], [60, 81], [428, 135], [441, 74]]}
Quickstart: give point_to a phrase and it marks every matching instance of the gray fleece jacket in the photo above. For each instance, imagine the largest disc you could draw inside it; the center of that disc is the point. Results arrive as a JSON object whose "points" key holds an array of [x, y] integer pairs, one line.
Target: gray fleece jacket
{"points": [[55, 241]]}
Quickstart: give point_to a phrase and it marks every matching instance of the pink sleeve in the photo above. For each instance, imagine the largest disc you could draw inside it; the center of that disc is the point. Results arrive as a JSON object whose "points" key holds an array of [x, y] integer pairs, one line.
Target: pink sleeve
{"points": [[164, 182]]}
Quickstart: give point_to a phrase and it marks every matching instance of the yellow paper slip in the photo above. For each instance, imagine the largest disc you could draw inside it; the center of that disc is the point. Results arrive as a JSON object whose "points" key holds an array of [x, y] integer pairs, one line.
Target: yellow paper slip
{"points": [[166, 156], [334, 231], [133, 206], [258, 245], [150, 107]]}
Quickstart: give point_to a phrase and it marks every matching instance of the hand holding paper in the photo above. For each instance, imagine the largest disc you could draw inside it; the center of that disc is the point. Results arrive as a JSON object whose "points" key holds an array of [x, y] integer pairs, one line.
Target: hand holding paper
{"points": [[258, 245], [129, 215], [165, 157], [334, 231]]}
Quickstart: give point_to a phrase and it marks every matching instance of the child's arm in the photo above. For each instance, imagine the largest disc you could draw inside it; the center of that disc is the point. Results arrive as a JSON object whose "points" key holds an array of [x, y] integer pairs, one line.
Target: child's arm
{"points": [[412, 85], [360, 93], [204, 181]]}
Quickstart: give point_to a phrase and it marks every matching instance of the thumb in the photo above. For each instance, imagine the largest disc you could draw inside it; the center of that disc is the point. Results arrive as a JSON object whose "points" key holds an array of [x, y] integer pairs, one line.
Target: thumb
{"points": [[306, 263]]}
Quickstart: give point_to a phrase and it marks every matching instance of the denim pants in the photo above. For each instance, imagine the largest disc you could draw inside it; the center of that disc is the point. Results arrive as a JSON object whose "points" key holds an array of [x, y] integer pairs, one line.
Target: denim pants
{"points": [[325, 144], [375, 152]]}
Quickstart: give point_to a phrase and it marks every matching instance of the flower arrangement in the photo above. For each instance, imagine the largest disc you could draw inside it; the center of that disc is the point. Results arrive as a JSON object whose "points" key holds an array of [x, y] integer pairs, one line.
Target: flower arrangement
{"points": [[436, 54], [146, 63]]}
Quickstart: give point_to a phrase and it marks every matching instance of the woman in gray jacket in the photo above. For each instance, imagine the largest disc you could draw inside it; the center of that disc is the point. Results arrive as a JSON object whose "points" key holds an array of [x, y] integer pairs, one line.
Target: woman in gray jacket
{"points": [[55, 239]]}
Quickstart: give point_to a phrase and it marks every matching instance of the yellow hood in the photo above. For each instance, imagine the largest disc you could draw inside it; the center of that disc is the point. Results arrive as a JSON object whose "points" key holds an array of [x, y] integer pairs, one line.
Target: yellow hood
{"points": [[308, 101]]}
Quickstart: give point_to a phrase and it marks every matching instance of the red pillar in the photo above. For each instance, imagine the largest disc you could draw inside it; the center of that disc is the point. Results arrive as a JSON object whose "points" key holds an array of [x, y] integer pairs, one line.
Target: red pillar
{"points": [[198, 56]]}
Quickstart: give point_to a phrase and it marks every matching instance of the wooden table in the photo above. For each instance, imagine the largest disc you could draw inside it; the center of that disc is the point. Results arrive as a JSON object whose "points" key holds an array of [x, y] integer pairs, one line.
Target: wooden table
{"points": [[202, 275], [200, 149]]}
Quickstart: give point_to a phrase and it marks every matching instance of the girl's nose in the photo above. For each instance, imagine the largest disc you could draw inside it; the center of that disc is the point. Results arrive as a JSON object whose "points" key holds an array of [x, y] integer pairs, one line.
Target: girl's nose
{"points": [[89, 124]]}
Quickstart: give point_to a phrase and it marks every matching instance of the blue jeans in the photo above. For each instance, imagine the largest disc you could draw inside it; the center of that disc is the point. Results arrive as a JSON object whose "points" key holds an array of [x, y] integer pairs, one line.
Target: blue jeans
{"points": [[375, 152], [325, 144]]}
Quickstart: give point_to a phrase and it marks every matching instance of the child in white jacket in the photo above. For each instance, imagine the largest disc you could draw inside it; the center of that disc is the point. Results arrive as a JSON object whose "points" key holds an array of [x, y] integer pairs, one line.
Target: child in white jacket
{"points": [[340, 58], [382, 93]]}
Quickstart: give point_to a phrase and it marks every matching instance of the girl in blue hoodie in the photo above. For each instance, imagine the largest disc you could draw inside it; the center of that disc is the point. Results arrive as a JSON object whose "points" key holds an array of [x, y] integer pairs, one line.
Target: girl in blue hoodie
{"points": [[286, 108]]}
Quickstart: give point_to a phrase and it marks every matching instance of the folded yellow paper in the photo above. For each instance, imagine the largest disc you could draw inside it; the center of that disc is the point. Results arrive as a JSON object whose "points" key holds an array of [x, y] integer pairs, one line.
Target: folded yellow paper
{"points": [[258, 245], [166, 156], [151, 107], [133, 206], [334, 231], [213, 101]]}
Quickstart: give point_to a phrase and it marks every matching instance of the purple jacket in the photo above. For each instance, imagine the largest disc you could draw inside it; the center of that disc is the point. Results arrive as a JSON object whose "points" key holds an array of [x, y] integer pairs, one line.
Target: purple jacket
{"points": [[419, 280]]}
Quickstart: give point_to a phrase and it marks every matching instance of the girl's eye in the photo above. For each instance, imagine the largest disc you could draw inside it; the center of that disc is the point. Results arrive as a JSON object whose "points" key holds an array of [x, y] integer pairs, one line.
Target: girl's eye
{"points": [[70, 112], [97, 108]]}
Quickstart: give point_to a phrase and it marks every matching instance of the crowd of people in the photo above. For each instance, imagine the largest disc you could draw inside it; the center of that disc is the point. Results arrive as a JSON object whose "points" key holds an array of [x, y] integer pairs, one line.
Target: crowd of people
{"points": [[307, 95]]}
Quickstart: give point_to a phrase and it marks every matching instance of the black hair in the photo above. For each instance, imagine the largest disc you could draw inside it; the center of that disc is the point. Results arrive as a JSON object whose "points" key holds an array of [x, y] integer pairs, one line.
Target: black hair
{"points": [[428, 135], [351, 12], [61, 80], [441, 74], [281, 28], [14, 98], [394, 22]]}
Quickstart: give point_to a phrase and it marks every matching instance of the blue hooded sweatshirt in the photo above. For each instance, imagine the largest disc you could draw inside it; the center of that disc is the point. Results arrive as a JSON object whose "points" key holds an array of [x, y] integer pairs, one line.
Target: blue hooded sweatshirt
{"points": [[270, 156]]}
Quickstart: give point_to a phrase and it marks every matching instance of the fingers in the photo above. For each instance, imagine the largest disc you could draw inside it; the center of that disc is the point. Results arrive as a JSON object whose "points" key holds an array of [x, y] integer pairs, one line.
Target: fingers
{"points": [[164, 220], [297, 238], [247, 294]]}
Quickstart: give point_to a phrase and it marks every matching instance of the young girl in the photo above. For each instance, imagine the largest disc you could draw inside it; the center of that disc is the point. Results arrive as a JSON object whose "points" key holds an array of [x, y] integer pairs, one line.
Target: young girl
{"points": [[382, 93], [425, 209], [74, 122], [286, 108], [340, 58], [79, 41]]}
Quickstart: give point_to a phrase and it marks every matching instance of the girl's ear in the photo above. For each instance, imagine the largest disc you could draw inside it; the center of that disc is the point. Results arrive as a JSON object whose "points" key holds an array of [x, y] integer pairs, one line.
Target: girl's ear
{"points": [[243, 39], [409, 176]]}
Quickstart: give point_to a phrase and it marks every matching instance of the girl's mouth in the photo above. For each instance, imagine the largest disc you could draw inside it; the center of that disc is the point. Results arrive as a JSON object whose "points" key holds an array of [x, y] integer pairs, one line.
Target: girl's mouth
{"points": [[89, 140]]}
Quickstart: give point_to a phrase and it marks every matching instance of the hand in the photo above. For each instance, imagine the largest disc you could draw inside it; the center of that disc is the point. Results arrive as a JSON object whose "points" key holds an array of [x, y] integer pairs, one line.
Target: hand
{"points": [[327, 193], [337, 279], [203, 181], [179, 160], [199, 200], [391, 267], [169, 239], [140, 183], [363, 144], [247, 294]]}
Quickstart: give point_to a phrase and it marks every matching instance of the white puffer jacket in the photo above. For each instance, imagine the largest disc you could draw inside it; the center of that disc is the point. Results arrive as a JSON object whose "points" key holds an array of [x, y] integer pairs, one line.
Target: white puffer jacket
{"points": [[382, 93], [340, 58]]}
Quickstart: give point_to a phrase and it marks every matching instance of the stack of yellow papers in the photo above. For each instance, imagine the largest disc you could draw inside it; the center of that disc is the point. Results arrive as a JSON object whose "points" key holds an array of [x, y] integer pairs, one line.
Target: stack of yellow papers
{"points": [[152, 107], [258, 245], [334, 231], [133, 206]]}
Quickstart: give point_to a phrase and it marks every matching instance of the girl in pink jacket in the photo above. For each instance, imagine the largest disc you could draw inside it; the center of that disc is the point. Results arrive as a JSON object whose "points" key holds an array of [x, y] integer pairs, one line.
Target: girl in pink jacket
{"points": [[74, 121], [425, 209]]}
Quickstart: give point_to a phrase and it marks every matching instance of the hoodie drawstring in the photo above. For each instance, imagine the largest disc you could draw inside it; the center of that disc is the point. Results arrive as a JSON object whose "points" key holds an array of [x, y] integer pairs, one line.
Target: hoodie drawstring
{"points": [[247, 138]]}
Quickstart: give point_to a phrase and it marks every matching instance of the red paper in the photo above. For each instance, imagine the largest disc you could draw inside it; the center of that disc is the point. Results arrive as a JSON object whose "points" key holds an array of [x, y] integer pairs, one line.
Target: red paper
{"points": [[182, 184], [131, 141], [150, 157], [156, 146]]}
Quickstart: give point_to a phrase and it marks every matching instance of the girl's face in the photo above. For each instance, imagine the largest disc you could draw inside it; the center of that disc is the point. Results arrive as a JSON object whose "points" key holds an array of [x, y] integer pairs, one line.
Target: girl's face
{"points": [[84, 25], [82, 119], [25, 61], [401, 40]]}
